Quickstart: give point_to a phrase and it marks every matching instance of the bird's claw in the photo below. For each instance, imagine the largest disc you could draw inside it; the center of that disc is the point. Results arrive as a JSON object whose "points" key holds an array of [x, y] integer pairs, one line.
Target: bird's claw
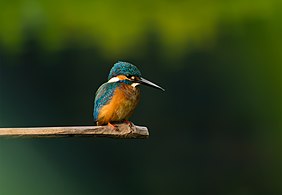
{"points": [[113, 126], [130, 124]]}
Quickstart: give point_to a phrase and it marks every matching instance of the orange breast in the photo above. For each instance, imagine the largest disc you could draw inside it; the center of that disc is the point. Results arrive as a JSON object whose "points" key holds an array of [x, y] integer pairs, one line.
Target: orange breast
{"points": [[121, 106]]}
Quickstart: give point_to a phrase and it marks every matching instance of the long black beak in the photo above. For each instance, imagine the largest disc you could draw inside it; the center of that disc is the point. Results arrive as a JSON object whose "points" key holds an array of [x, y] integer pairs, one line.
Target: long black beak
{"points": [[149, 83]]}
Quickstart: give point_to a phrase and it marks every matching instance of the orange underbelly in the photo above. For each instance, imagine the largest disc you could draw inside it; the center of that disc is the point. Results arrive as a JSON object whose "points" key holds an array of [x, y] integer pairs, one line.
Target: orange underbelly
{"points": [[121, 106]]}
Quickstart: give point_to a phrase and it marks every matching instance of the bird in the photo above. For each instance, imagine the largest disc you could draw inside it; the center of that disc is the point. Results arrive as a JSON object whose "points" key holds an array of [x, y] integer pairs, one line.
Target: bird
{"points": [[116, 100]]}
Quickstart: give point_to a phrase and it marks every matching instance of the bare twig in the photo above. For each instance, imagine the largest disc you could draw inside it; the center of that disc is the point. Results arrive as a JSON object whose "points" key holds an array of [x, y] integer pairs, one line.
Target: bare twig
{"points": [[122, 131]]}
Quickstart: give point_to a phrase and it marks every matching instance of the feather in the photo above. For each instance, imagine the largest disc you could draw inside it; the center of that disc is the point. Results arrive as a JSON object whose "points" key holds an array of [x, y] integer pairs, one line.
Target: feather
{"points": [[115, 102]]}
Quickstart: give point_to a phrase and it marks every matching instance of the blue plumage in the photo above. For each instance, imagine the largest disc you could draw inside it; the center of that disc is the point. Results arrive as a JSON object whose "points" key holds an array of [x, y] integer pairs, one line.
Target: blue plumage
{"points": [[124, 68], [103, 96]]}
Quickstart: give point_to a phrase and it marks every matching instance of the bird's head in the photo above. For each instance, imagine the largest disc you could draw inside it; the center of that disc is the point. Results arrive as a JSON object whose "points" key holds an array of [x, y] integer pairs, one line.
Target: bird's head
{"points": [[128, 73]]}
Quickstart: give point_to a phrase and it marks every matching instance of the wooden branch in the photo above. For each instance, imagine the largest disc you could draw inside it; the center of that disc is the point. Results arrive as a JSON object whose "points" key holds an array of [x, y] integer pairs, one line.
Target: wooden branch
{"points": [[122, 131]]}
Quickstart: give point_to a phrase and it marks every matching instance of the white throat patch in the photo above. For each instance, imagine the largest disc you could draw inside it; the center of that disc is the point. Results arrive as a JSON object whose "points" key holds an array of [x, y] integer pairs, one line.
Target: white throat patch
{"points": [[113, 80], [135, 84]]}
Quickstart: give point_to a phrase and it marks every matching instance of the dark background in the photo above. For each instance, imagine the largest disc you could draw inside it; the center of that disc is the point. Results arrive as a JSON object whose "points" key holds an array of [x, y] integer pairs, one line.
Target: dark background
{"points": [[215, 130]]}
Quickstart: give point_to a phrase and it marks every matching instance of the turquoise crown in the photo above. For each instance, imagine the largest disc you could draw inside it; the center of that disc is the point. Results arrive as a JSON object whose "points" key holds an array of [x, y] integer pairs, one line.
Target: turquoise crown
{"points": [[124, 68]]}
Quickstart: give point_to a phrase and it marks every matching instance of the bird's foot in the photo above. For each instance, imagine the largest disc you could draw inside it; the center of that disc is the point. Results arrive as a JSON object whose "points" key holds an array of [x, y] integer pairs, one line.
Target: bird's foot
{"points": [[113, 126], [130, 124]]}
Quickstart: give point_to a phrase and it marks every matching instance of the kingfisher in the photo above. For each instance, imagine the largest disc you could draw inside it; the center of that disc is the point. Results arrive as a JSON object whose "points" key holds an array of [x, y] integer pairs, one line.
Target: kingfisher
{"points": [[116, 99]]}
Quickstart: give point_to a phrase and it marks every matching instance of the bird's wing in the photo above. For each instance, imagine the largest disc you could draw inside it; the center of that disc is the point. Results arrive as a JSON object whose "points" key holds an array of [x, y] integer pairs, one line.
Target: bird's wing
{"points": [[103, 96]]}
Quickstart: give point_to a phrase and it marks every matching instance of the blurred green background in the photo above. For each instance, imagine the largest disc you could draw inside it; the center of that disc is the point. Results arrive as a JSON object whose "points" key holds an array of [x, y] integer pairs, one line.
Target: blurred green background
{"points": [[215, 130]]}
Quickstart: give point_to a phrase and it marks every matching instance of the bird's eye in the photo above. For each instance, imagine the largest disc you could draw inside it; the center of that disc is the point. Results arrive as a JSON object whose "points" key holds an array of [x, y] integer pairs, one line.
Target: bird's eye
{"points": [[132, 77]]}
